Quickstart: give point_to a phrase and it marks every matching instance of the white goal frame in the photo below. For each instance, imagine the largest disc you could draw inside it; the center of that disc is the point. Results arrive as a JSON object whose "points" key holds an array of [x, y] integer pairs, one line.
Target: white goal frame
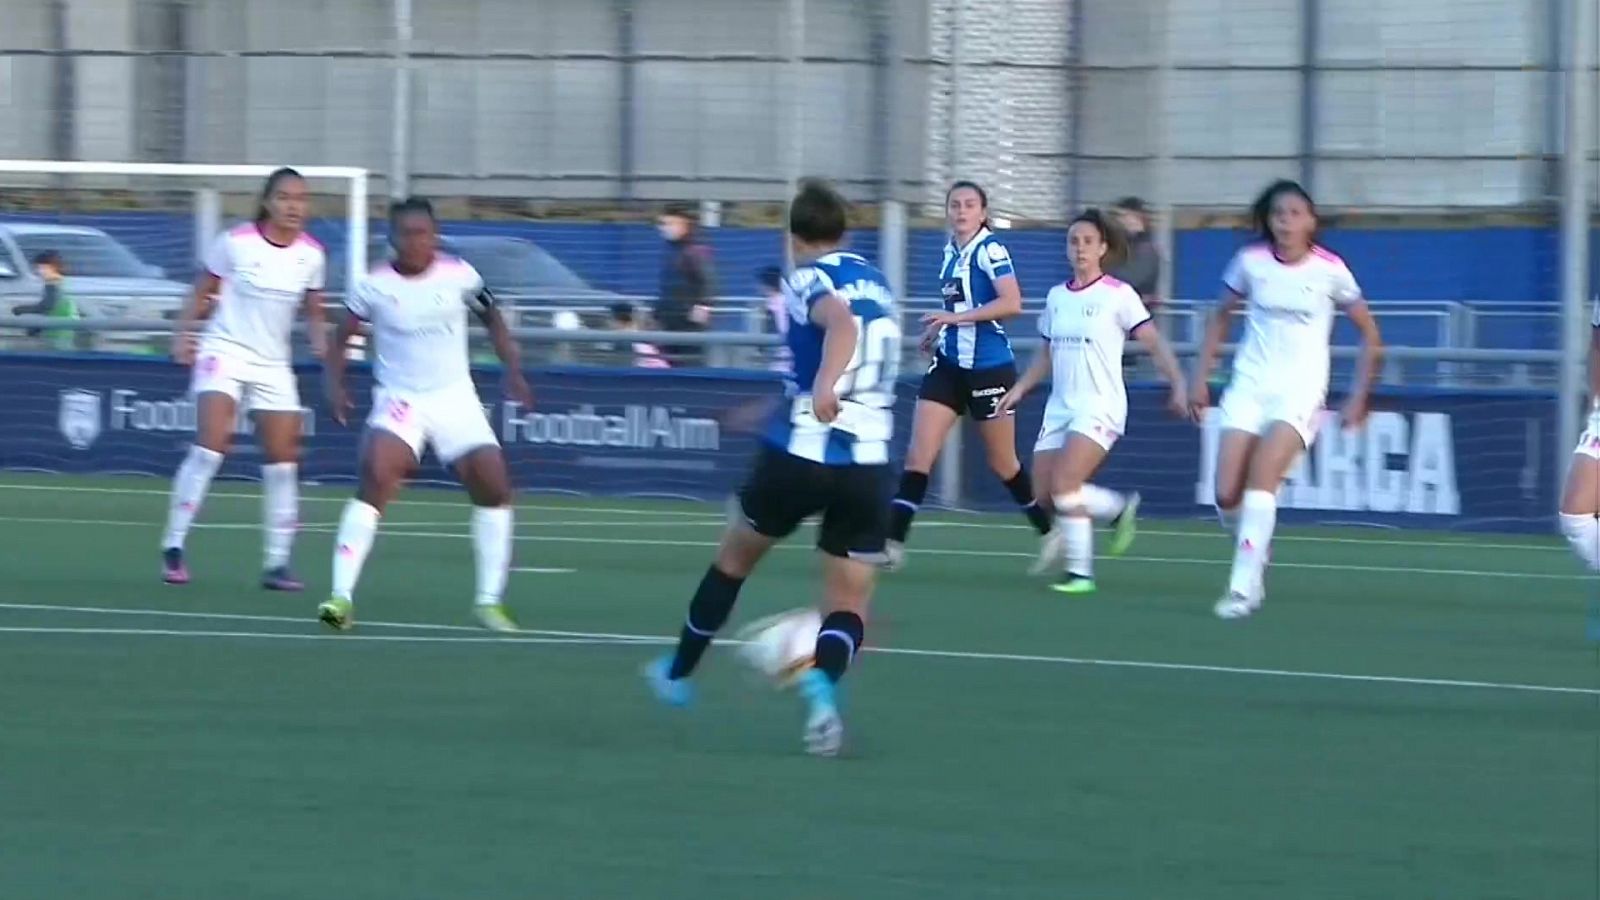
{"points": [[208, 200]]}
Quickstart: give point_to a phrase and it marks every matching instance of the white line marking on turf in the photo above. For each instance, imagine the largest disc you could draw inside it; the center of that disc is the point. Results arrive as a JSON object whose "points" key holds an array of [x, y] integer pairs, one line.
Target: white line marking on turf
{"points": [[712, 519], [612, 639], [541, 570], [283, 636], [399, 530]]}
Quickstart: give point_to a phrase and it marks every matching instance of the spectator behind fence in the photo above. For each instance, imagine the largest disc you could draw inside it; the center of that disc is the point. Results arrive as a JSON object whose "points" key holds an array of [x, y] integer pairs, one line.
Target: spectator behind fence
{"points": [[1142, 268], [770, 282], [635, 353], [53, 302], [684, 303]]}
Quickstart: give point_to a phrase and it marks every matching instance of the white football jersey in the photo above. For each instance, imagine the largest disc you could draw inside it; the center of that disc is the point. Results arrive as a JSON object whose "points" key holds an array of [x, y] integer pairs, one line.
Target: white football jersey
{"points": [[1087, 329], [1289, 310], [419, 324], [263, 285]]}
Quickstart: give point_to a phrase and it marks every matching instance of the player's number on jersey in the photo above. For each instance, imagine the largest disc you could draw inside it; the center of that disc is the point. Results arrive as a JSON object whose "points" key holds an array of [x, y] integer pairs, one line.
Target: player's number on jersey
{"points": [[876, 364]]}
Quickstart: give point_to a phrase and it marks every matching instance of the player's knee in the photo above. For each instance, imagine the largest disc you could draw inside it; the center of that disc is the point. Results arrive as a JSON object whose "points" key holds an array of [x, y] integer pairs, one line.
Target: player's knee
{"points": [[1228, 496]]}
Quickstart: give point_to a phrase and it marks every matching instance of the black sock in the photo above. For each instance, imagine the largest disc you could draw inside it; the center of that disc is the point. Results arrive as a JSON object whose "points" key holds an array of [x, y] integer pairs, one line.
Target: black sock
{"points": [[913, 487], [838, 641], [709, 610], [1021, 489]]}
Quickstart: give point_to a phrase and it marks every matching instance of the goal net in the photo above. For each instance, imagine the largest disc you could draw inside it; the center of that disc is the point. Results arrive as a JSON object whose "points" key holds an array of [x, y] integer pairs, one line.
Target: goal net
{"points": [[131, 236]]}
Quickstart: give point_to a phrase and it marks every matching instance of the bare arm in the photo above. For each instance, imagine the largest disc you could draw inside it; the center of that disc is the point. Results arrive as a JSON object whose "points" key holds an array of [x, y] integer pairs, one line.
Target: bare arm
{"points": [[1030, 379], [505, 347], [838, 347], [196, 309], [1150, 337], [334, 364], [1367, 366], [1217, 324], [316, 323], [1594, 367], [1006, 304]]}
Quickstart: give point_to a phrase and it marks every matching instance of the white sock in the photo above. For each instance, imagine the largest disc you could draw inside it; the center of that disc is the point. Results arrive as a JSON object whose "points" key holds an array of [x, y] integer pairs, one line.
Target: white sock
{"points": [[1583, 535], [1101, 504], [1258, 516], [357, 527], [491, 546], [188, 492], [1079, 534], [280, 511]]}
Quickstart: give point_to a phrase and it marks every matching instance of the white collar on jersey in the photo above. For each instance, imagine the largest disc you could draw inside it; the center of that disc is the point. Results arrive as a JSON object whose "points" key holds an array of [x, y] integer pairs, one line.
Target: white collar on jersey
{"points": [[983, 232]]}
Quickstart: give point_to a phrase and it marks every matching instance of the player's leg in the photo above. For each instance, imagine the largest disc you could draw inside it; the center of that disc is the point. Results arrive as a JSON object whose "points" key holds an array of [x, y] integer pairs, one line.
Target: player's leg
{"points": [[998, 431], [1277, 449], [776, 497], [216, 404], [1241, 422], [852, 536], [1047, 452], [930, 425], [275, 405], [390, 450], [1580, 503], [483, 471], [1078, 460]]}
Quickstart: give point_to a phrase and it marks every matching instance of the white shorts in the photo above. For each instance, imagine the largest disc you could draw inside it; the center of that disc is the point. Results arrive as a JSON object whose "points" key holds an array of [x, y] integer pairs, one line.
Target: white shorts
{"points": [[1251, 411], [257, 386], [451, 421], [1102, 429]]}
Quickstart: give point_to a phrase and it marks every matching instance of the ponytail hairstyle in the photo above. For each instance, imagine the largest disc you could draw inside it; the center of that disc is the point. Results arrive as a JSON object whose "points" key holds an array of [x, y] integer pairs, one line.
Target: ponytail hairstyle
{"points": [[277, 177], [983, 198], [1110, 232], [1261, 209]]}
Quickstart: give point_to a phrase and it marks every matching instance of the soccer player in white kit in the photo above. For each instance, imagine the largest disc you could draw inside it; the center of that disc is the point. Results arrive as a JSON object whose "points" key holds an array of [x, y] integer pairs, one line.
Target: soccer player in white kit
{"points": [[1580, 496], [416, 306], [256, 277], [1085, 324], [1290, 288]]}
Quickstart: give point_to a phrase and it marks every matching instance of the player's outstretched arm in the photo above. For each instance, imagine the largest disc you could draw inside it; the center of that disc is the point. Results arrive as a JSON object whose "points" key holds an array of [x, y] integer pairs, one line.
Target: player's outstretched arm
{"points": [[196, 309], [505, 346], [840, 334], [1030, 379], [1355, 411], [334, 362], [1216, 331], [1150, 336]]}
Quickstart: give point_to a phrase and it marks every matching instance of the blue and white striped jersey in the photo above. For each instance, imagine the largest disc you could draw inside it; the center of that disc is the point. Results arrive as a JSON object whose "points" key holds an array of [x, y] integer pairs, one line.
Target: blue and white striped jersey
{"points": [[966, 281], [861, 433]]}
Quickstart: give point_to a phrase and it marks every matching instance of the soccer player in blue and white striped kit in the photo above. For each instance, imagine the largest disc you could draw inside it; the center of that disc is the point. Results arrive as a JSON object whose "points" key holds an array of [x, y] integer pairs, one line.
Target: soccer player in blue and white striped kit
{"points": [[825, 452], [973, 368]]}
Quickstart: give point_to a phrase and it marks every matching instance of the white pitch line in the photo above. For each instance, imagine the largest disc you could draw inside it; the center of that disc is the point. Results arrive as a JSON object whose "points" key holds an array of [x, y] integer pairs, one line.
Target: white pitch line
{"points": [[541, 570], [611, 639], [301, 620], [674, 517], [399, 529], [278, 636]]}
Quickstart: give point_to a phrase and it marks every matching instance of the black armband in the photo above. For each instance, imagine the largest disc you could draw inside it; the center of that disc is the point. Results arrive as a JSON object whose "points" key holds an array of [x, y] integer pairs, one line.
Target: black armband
{"points": [[482, 301]]}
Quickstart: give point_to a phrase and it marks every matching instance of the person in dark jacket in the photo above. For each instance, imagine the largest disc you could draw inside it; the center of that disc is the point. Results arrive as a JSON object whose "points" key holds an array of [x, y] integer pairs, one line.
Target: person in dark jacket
{"points": [[687, 284], [54, 302], [1142, 268]]}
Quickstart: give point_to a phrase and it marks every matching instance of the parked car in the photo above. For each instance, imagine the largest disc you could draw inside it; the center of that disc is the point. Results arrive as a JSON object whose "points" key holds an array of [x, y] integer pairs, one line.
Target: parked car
{"points": [[103, 277], [520, 271]]}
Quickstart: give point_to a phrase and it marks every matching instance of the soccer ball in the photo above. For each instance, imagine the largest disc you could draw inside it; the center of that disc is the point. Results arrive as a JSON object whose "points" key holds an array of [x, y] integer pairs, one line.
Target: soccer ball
{"points": [[781, 647]]}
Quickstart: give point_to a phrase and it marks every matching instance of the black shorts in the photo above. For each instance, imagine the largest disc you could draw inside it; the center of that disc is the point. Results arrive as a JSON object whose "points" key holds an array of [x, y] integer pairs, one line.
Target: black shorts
{"points": [[970, 392], [784, 490]]}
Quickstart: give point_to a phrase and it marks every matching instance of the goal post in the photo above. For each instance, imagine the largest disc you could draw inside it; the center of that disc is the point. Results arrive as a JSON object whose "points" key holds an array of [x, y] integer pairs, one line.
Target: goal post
{"points": [[117, 193]]}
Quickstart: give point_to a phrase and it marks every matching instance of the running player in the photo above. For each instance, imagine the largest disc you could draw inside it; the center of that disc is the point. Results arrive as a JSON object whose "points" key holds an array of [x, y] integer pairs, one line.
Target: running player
{"points": [[972, 369], [416, 306], [1580, 496], [1291, 288], [256, 276], [825, 451], [1084, 325]]}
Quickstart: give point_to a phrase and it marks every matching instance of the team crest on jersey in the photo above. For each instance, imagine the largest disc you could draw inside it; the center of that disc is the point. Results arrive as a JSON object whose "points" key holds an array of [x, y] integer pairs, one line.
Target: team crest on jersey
{"points": [[79, 418]]}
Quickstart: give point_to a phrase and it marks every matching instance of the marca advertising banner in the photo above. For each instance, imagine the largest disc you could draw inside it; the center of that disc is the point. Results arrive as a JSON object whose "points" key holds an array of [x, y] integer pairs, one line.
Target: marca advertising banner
{"points": [[1427, 459], [1424, 459]]}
